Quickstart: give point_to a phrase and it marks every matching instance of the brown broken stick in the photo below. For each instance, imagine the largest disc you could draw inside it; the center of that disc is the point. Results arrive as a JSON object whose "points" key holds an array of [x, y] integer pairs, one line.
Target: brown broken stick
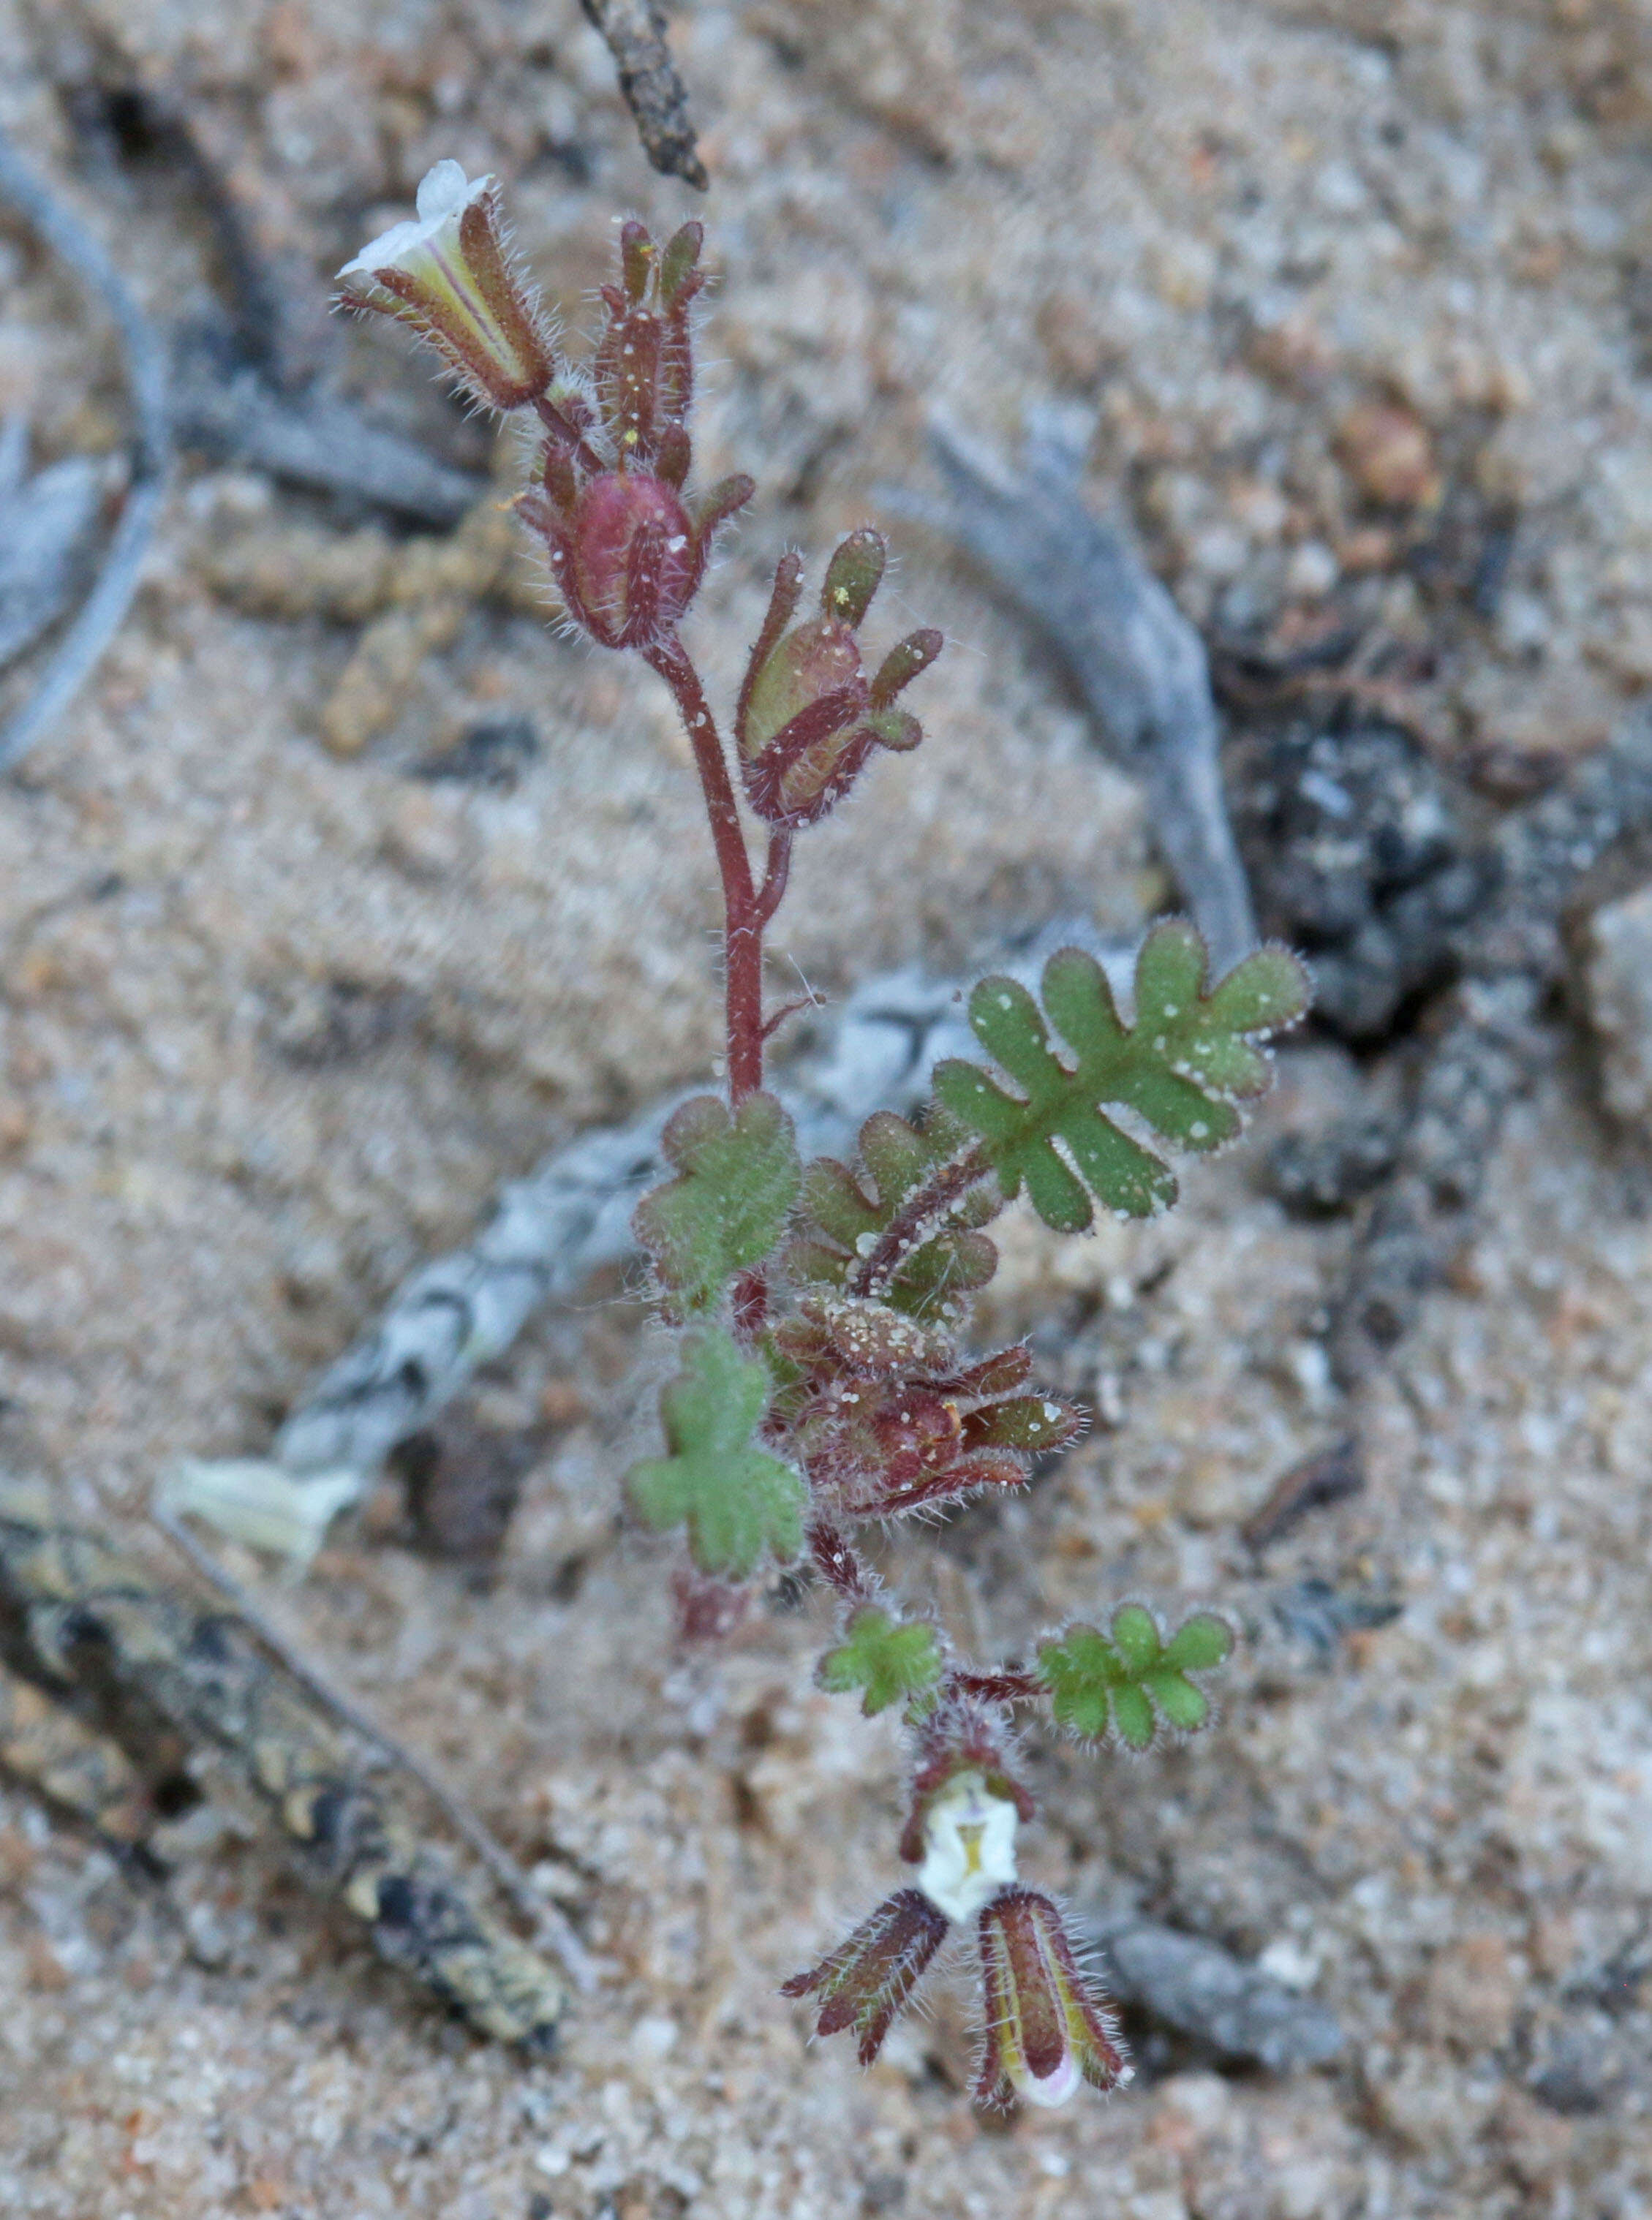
{"points": [[1327, 1476], [634, 32], [149, 1669]]}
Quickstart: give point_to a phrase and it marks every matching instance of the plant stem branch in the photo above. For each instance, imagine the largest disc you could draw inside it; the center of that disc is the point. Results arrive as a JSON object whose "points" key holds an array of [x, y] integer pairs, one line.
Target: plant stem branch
{"points": [[999, 1687], [772, 892], [947, 1186], [553, 420], [744, 914], [837, 1562]]}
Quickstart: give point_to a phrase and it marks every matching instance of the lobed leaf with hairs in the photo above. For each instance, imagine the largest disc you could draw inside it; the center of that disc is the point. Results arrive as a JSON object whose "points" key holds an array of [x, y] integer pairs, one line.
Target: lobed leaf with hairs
{"points": [[736, 1500], [890, 1662], [1121, 1684], [1182, 1066], [737, 1180]]}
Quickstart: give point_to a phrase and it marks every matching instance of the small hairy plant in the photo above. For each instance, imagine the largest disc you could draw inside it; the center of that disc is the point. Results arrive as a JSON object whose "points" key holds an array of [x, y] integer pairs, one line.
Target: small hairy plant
{"points": [[824, 1382]]}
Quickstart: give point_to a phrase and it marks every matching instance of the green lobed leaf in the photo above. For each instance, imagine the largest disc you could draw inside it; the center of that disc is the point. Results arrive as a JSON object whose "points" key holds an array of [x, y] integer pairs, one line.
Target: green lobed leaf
{"points": [[737, 1180], [845, 1214], [1122, 1683], [891, 1661], [1181, 1067], [736, 1500]]}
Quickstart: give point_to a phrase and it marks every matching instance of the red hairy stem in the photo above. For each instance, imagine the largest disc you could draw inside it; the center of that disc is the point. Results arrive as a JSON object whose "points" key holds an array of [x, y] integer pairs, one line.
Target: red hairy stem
{"points": [[553, 420], [744, 916], [948, 1186], [837, 1562], [999, 1687]]}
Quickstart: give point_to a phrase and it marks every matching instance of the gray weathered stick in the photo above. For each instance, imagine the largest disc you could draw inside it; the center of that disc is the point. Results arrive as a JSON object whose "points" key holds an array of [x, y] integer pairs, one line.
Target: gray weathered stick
{"points": [[1137, 661], [101, 615], [45, 522], [311, 439], [147, 1664], [1203, 1991], [533, 1905]]}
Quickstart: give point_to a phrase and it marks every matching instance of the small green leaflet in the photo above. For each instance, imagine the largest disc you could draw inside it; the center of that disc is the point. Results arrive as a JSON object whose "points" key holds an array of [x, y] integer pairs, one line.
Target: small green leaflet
{"points": [[736, 1500], [726, 1209], [1124, 1684], [1181, 1067], [890, 1660]]}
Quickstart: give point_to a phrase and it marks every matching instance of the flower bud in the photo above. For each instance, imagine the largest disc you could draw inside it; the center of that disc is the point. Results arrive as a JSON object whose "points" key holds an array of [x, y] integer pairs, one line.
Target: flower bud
{"points": [[626, 554], [633, 560], [627, 543], [1047, 2031], [446, 274], [644, 364], [865, 1981], [808, 717]]}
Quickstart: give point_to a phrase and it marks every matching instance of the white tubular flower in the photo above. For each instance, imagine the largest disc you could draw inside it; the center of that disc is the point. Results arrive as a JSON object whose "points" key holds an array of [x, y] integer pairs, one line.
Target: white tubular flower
{"points": [[447, 275], [968, 1847]]}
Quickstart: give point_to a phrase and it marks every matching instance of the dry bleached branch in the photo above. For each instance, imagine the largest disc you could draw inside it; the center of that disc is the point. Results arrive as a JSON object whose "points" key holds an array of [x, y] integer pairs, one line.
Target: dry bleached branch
{"points": [[1137, 661], [100, 614]]}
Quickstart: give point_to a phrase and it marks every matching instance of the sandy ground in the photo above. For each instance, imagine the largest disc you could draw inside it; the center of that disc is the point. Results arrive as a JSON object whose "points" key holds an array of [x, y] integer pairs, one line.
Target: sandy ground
{"points": [[274, 1024]]}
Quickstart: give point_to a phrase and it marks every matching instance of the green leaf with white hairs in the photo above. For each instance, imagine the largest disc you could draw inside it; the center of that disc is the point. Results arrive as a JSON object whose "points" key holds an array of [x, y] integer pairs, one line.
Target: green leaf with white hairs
{"points": [[1181, 1067], [726, 1212], [1120, 1686], [736, 1501], [890, 1661]]}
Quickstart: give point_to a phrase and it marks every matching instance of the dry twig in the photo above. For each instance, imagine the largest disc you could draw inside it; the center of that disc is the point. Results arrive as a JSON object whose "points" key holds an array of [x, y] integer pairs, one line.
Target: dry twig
{"points": [[148, 1665], [634, 31], [1137, 661], [102, 612], [464, 1822]]}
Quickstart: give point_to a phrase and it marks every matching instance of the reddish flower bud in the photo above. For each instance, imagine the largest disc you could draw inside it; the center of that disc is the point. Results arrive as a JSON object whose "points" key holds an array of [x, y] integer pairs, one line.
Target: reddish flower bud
{"points": [[1047, 2031], [627, 557], [628, 544], [644, 363], [447, 273], [808, 717], [918, 1432], [634, 560], [865, 1981]]}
